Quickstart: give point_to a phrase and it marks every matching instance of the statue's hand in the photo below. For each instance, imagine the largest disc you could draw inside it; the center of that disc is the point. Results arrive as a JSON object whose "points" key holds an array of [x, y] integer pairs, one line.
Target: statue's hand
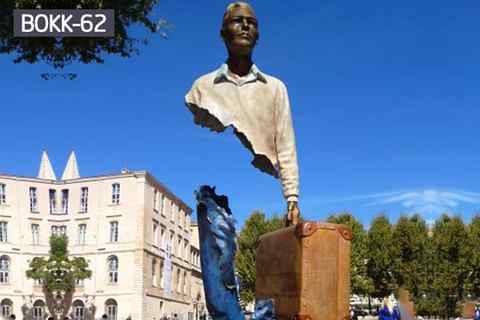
{"points": [[293, 213]]}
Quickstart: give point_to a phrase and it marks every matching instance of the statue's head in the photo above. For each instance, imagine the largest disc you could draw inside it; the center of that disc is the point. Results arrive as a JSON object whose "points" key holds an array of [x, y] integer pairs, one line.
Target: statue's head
{"points": [[239, 28]]}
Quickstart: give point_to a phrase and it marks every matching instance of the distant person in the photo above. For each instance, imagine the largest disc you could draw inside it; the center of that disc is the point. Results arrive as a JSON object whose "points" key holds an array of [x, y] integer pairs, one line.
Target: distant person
{"points": [[352, 314], [477, 313], [386, 313]]}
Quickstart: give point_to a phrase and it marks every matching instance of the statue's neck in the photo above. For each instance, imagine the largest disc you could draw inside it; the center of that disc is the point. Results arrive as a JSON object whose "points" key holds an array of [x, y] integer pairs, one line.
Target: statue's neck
{"points": [[240, 65]]}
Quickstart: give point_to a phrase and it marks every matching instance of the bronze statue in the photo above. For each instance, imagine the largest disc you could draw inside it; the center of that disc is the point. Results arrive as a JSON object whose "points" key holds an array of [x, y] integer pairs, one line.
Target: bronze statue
{"points": [[255, 104]]}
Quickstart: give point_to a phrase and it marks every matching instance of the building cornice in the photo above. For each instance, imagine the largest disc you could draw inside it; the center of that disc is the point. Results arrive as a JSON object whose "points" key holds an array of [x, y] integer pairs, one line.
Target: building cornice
{"points": [[163, 189], [120, 175]]}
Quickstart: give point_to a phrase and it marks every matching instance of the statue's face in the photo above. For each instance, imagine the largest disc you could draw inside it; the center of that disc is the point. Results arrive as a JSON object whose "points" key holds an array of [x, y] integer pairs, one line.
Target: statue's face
{"points": [[240, 32]]}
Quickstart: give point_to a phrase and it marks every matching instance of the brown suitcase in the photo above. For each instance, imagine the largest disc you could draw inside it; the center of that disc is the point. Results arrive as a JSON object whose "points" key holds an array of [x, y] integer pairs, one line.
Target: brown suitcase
{"points": [[306, 270]]}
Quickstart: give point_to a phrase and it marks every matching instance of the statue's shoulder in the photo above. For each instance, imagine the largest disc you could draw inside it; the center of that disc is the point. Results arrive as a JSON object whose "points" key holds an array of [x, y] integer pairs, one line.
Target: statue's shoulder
{"points": [[273, 81], [201, 87], [206, 79]]}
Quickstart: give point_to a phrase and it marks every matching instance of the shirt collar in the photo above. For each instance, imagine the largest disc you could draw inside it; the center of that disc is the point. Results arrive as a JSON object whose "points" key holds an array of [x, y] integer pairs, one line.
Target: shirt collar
{"points": [[253, 75]]}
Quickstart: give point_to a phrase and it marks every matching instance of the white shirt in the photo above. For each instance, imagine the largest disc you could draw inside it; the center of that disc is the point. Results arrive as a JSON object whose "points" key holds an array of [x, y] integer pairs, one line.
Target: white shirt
{"points": [[258, 108]]}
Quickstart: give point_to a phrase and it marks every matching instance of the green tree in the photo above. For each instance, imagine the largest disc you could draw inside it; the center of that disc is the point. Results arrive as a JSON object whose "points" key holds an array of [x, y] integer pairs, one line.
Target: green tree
{"points": [[409, 252], [255, 226], [473, 280], [380, 261], [360, 283], [59, 52], [58, 274], [450, 264]]}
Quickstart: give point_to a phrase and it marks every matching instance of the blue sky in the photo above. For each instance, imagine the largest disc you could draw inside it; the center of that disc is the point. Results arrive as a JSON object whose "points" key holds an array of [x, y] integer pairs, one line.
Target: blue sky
{"points": [[384, 97]]}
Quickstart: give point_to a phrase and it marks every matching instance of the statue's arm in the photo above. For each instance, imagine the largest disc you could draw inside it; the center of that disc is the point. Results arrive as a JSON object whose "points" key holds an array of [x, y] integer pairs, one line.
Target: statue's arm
{"points": [[286, 149]]}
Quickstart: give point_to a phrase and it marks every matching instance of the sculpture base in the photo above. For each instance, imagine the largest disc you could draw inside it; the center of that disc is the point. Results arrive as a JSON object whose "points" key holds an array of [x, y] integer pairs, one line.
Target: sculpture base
{"points": [[305, 269]]}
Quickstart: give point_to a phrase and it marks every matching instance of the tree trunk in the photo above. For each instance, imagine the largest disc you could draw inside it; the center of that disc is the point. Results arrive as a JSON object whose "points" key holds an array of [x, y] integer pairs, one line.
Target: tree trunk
{"points": [[66, 303]]}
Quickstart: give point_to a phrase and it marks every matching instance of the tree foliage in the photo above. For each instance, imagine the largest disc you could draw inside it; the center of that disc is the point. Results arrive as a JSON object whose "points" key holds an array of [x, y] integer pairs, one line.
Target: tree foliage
{"points": [[59, 52], [255, 226], [440, 267], [409, 251], [58, 273], [360, 283], [450, 245], [380, 261], [473, 279]]}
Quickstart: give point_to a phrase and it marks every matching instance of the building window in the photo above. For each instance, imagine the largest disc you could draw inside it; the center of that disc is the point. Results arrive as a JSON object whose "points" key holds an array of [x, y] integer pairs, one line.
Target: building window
{"points": [[187, 220], [179, 247], [35, 233], [3, 231], [114, 231], [162, 275], [154, 272], [173, 209], [3, 193], [59, 230], [112, 269], [162, 236], [38, 310], [82, 233], [78, 310], [180, 218], [53, 200], [33, 199], [4, 269], [184, 284], [185, 250], [162, 204], [155, 200], [115, 193], [6, 307], [172, 278], [155, 233], [171, 243], [64, 201], [179, 279], [84, 200], [111, 309]]}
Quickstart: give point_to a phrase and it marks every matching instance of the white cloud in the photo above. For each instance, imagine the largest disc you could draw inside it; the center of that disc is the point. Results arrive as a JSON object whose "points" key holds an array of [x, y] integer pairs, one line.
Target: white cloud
{"points": [[428, 201]]}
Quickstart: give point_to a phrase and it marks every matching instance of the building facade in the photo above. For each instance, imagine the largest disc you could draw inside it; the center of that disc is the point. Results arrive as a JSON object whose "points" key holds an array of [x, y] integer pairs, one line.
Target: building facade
{"points": [[196, 289], [134, 233]]}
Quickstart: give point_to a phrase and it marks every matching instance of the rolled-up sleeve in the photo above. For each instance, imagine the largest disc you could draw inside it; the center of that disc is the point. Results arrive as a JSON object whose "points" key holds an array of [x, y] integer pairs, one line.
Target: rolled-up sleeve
{"points": [[285, 145]]}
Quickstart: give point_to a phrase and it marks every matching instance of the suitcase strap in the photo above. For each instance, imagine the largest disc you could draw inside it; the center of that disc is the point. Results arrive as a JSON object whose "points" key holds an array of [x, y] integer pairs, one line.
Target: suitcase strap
{"points": [[306, 229]]}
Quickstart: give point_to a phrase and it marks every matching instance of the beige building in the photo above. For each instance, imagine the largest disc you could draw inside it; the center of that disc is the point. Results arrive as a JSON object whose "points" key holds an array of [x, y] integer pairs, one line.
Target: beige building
{"points": [[134, 233], [197, 292]]}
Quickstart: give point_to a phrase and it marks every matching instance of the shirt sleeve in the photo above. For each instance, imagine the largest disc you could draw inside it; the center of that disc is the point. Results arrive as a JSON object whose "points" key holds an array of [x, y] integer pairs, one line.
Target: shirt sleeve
{"points": [[285, 145]]}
